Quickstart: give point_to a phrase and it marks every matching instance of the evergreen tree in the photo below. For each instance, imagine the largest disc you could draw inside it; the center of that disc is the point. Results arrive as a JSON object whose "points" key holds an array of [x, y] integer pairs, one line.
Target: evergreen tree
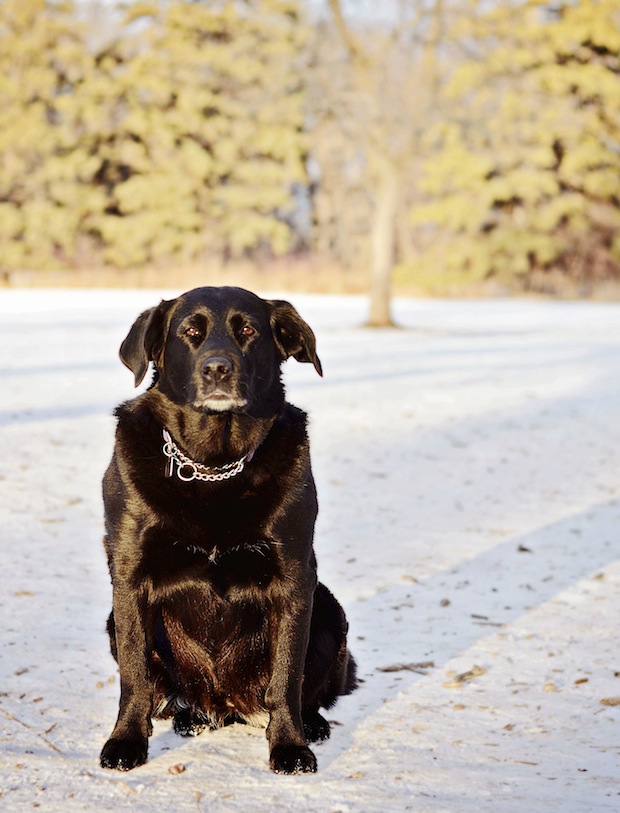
{"points": [[526, 175], [42, 64], [198, 130], [180, 137]]}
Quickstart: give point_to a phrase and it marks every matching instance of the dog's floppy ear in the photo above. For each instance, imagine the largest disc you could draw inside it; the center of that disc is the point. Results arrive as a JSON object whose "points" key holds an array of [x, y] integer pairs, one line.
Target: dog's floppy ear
{"points": [[145, 340], [293, 337]]}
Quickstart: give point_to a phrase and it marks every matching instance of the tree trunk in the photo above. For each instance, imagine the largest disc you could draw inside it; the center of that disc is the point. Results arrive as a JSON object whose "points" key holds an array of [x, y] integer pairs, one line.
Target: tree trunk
{"points": [[383, 245]]}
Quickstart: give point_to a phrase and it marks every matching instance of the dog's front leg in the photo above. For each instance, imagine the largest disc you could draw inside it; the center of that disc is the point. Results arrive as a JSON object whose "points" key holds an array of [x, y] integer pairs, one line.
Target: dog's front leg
{"points": [[289, 632], [128, 743]]}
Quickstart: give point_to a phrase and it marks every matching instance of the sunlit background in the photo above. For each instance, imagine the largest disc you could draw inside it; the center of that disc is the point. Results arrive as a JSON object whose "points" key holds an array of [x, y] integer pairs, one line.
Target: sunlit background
{"points": [[422, 146]]}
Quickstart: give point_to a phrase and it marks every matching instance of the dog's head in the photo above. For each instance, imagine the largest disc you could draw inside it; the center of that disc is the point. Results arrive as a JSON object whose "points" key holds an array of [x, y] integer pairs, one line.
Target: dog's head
{"points": [[219, 349]]}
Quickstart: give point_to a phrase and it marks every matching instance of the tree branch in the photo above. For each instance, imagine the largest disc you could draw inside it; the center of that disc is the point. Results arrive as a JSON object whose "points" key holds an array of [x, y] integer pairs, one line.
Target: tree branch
{"points": [[351, 42]]}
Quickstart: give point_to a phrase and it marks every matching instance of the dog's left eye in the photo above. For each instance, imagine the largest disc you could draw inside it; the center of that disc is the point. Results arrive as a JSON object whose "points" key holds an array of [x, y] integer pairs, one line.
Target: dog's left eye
{"points": [[193, 332], [248, 330]]}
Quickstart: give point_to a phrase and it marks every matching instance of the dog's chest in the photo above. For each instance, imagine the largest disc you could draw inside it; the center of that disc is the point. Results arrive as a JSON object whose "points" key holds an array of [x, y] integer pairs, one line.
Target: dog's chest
{"points": [[245, 565]]}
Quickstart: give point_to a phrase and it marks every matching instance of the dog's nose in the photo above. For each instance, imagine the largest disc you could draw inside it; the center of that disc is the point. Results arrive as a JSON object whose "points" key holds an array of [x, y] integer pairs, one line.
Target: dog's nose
{"points": [[216, 368]]}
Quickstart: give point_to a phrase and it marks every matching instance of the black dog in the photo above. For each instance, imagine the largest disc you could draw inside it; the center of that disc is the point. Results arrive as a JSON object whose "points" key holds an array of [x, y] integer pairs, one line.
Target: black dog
{"points": [[210, 509]]}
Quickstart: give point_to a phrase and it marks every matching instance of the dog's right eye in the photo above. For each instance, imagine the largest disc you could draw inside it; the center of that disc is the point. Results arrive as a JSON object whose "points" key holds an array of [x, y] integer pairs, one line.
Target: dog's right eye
{"points": [[192, 333]]}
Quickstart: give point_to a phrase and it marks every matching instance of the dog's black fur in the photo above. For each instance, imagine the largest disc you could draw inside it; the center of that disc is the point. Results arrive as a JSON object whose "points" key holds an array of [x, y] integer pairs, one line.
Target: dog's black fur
{"points": [[217, 612]]}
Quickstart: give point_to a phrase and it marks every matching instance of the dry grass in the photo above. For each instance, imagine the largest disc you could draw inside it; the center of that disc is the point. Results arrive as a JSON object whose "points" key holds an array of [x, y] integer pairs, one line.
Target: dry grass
{"points": [[303, 275], [310, 274]]}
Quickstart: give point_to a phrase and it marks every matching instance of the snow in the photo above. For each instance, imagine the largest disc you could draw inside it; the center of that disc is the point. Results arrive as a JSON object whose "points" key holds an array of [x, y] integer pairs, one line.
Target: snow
{"points": [[468, 468]]}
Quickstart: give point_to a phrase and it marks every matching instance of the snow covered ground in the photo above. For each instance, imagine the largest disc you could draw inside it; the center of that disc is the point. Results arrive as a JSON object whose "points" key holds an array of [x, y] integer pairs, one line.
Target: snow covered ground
{"points": [[468, 468]]}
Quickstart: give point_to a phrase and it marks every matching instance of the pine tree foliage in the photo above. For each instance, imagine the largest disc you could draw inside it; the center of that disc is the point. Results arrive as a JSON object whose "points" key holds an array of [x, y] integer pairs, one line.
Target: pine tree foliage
{"points": [[460, 139], [203, 142], [42, 64], [180, 138], [526, 174]]}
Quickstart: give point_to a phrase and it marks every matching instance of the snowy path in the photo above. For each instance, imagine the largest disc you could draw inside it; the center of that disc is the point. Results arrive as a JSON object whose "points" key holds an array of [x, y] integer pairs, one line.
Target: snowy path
{"points": [[468, 470]]}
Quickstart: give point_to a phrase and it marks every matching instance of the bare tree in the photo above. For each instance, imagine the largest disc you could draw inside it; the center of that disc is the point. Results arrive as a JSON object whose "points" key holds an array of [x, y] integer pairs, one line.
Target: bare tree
{"points": [[383, 108]]}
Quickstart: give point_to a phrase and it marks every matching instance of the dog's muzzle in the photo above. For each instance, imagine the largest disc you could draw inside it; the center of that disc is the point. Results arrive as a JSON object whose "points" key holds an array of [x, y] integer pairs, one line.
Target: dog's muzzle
{"points": [[216, 369]]}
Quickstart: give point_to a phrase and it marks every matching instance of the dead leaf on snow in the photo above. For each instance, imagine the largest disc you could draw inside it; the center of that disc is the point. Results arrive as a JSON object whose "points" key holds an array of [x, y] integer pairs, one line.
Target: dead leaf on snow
{"points": [[465, 677], [408, 667], [610, 701]]}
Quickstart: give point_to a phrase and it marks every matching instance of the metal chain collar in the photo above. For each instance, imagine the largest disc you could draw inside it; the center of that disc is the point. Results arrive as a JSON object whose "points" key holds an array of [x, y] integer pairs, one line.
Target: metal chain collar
{"points": [[188, 470]]}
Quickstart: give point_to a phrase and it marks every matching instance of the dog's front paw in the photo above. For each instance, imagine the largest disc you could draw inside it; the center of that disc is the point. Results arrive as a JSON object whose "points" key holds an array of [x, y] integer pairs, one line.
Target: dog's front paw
{"points": [[292, 759], [123, 755]]}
